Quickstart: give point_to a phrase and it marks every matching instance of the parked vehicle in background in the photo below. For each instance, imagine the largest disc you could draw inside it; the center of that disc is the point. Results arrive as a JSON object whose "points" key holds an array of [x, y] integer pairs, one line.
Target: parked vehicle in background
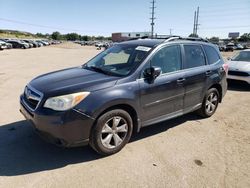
{"points": [[239, 47], [40, 43], [18, 44], [29, 43], [130, 85], [46, 43], [5, 45], [239, 67], [230, 47], [34, 44], [222, 48]]}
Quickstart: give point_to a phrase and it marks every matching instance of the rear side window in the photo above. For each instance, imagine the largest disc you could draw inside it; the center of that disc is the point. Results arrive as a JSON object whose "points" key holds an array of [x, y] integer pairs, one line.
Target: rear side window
{"points": [[194, 56], [212, 54]]}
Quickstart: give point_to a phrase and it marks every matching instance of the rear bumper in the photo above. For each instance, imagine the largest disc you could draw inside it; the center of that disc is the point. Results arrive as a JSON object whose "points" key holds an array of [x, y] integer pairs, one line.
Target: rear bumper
{"points": [[241, 78], [67, 129]]}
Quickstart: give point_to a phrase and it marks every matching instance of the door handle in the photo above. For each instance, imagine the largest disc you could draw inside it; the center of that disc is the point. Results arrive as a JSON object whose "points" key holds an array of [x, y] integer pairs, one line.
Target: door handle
{"points": [[181, 80], [208, 73]]}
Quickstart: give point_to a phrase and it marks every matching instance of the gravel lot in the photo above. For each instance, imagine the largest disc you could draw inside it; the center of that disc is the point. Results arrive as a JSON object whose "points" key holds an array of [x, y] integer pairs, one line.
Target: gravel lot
{"points": [[184, 152]]}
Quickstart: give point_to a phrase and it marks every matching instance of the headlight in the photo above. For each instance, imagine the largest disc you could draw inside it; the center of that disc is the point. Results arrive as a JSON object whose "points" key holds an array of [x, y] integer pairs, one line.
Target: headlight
{"points": [[65, 102]]}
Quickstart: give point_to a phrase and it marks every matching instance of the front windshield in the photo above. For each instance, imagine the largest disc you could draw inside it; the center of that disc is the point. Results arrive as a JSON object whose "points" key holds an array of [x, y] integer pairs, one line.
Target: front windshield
{"points": [[242, 56], [119, 60]]}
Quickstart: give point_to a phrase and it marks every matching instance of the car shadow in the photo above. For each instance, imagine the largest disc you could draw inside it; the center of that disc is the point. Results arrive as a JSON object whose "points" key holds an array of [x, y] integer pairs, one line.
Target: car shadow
{"points": [[23, 152], [235, 85], [164, 126]]}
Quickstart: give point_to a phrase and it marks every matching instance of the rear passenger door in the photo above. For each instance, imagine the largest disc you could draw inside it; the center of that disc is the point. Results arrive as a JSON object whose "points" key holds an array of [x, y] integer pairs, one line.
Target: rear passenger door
{"points": [[196, 74]]}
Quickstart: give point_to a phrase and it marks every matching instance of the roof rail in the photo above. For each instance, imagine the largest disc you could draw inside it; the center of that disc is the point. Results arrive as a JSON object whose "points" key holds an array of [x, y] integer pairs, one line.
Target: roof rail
{"points": [[185, 38], [169, 38], [196, 39], [172, 38]]}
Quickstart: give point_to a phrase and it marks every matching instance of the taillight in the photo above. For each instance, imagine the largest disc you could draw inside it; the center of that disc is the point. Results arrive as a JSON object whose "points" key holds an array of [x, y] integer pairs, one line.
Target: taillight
{"points": [[225, 67]]}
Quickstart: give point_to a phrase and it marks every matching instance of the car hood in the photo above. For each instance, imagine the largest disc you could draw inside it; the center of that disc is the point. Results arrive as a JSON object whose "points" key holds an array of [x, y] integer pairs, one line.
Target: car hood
{"points": [[239, 65], [72, 80]]}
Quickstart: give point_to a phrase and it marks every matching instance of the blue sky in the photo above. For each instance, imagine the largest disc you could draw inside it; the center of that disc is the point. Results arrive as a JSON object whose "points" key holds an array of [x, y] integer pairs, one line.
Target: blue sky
{"points": [[102, 17]]}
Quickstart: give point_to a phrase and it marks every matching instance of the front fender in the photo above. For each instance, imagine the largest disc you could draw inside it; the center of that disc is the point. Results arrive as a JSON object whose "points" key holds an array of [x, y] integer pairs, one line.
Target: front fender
{"points": [[99, 101]]}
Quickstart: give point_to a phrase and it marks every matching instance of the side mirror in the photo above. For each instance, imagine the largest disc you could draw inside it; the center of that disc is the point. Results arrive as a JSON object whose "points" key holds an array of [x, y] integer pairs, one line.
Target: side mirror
{"points": [[152, 72]]}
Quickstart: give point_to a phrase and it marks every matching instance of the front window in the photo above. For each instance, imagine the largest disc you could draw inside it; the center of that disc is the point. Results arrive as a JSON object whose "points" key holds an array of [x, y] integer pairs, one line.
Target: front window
{"points": [[168, 59], [242, 56], [119, 60]]}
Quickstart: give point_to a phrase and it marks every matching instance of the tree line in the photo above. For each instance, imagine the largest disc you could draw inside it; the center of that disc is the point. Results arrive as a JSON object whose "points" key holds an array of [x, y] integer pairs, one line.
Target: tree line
{"points": [[243, 38], [71, 36]]}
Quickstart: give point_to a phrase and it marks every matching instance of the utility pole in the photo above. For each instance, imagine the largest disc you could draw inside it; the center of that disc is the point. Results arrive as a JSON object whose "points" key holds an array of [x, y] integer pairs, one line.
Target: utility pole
{"points": [[152, 17], [170, 31], [196, 21]]}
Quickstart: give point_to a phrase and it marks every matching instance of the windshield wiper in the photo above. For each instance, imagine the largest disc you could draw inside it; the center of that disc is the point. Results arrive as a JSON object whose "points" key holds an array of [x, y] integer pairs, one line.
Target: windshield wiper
{"points": [[98, 69]]}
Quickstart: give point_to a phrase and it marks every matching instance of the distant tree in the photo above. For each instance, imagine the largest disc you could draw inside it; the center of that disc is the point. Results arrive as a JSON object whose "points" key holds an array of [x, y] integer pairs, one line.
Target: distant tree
{"points": [[56, 35], [85, 38], [193, 35], [108, 38], [72, 36], [40, 35], [245, 37], [100, 38], [214, 39], [47, 35]]}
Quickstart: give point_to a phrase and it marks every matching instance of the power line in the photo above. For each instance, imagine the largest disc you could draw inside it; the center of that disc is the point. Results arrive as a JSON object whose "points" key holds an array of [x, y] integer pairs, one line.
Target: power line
{"points": [[45, 26], [227, 27]]}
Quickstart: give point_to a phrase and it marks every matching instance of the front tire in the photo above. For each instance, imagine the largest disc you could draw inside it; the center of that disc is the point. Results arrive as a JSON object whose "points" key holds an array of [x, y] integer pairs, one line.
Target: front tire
{"points": [[111, 132], [210, 103]]}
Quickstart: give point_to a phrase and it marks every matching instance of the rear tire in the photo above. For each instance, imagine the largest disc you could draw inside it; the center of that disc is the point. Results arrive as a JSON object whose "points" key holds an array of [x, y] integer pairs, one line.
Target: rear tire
{"points": [[111, 132], [210, 103]]}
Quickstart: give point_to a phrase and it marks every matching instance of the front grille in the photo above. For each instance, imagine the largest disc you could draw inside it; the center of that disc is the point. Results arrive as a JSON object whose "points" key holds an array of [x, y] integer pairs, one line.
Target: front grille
{"points": [[238, 73], [31, 97]]}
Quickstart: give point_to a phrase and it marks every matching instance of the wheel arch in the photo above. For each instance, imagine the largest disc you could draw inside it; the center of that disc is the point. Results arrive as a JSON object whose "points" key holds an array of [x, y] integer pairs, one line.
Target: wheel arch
{"points": [[219, 88], [129, 109]]}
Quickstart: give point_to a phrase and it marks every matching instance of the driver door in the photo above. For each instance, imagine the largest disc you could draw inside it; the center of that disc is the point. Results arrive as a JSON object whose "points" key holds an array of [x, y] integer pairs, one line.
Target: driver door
{"points": [[162, 97]]}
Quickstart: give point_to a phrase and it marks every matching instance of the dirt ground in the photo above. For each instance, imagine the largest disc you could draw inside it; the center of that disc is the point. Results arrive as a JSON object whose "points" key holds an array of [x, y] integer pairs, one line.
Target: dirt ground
{"points": [[184, 152]]}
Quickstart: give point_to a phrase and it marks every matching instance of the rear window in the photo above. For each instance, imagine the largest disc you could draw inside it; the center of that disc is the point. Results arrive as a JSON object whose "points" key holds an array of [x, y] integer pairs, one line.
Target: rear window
{"points": [[212, 54], [194, 56]]}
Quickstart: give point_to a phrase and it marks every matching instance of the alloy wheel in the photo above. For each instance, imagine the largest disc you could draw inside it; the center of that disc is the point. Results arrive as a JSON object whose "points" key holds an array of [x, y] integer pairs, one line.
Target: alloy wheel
{"points": [[211, 103], [114, 132]]}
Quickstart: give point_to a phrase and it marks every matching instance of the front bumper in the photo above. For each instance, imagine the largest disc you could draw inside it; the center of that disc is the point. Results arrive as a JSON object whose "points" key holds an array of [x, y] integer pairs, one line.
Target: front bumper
{"points": [[241, 78], [68, 129]]}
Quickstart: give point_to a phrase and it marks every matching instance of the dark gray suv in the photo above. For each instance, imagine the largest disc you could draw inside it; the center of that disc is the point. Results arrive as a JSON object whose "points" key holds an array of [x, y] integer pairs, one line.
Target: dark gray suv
{"points": [[124, 88]]}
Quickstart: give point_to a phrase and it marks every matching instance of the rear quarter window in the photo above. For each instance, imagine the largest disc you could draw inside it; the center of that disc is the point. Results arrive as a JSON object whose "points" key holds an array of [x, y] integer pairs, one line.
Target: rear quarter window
{"points": [[212, 54]]}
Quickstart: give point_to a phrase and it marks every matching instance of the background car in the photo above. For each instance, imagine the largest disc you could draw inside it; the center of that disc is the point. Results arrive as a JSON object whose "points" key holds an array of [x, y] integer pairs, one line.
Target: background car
{"points": [[239, 47], [230, 47], [3, 45], [222, 47], [239, 67], [33, 43], [18, 44], [27, 42]]}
